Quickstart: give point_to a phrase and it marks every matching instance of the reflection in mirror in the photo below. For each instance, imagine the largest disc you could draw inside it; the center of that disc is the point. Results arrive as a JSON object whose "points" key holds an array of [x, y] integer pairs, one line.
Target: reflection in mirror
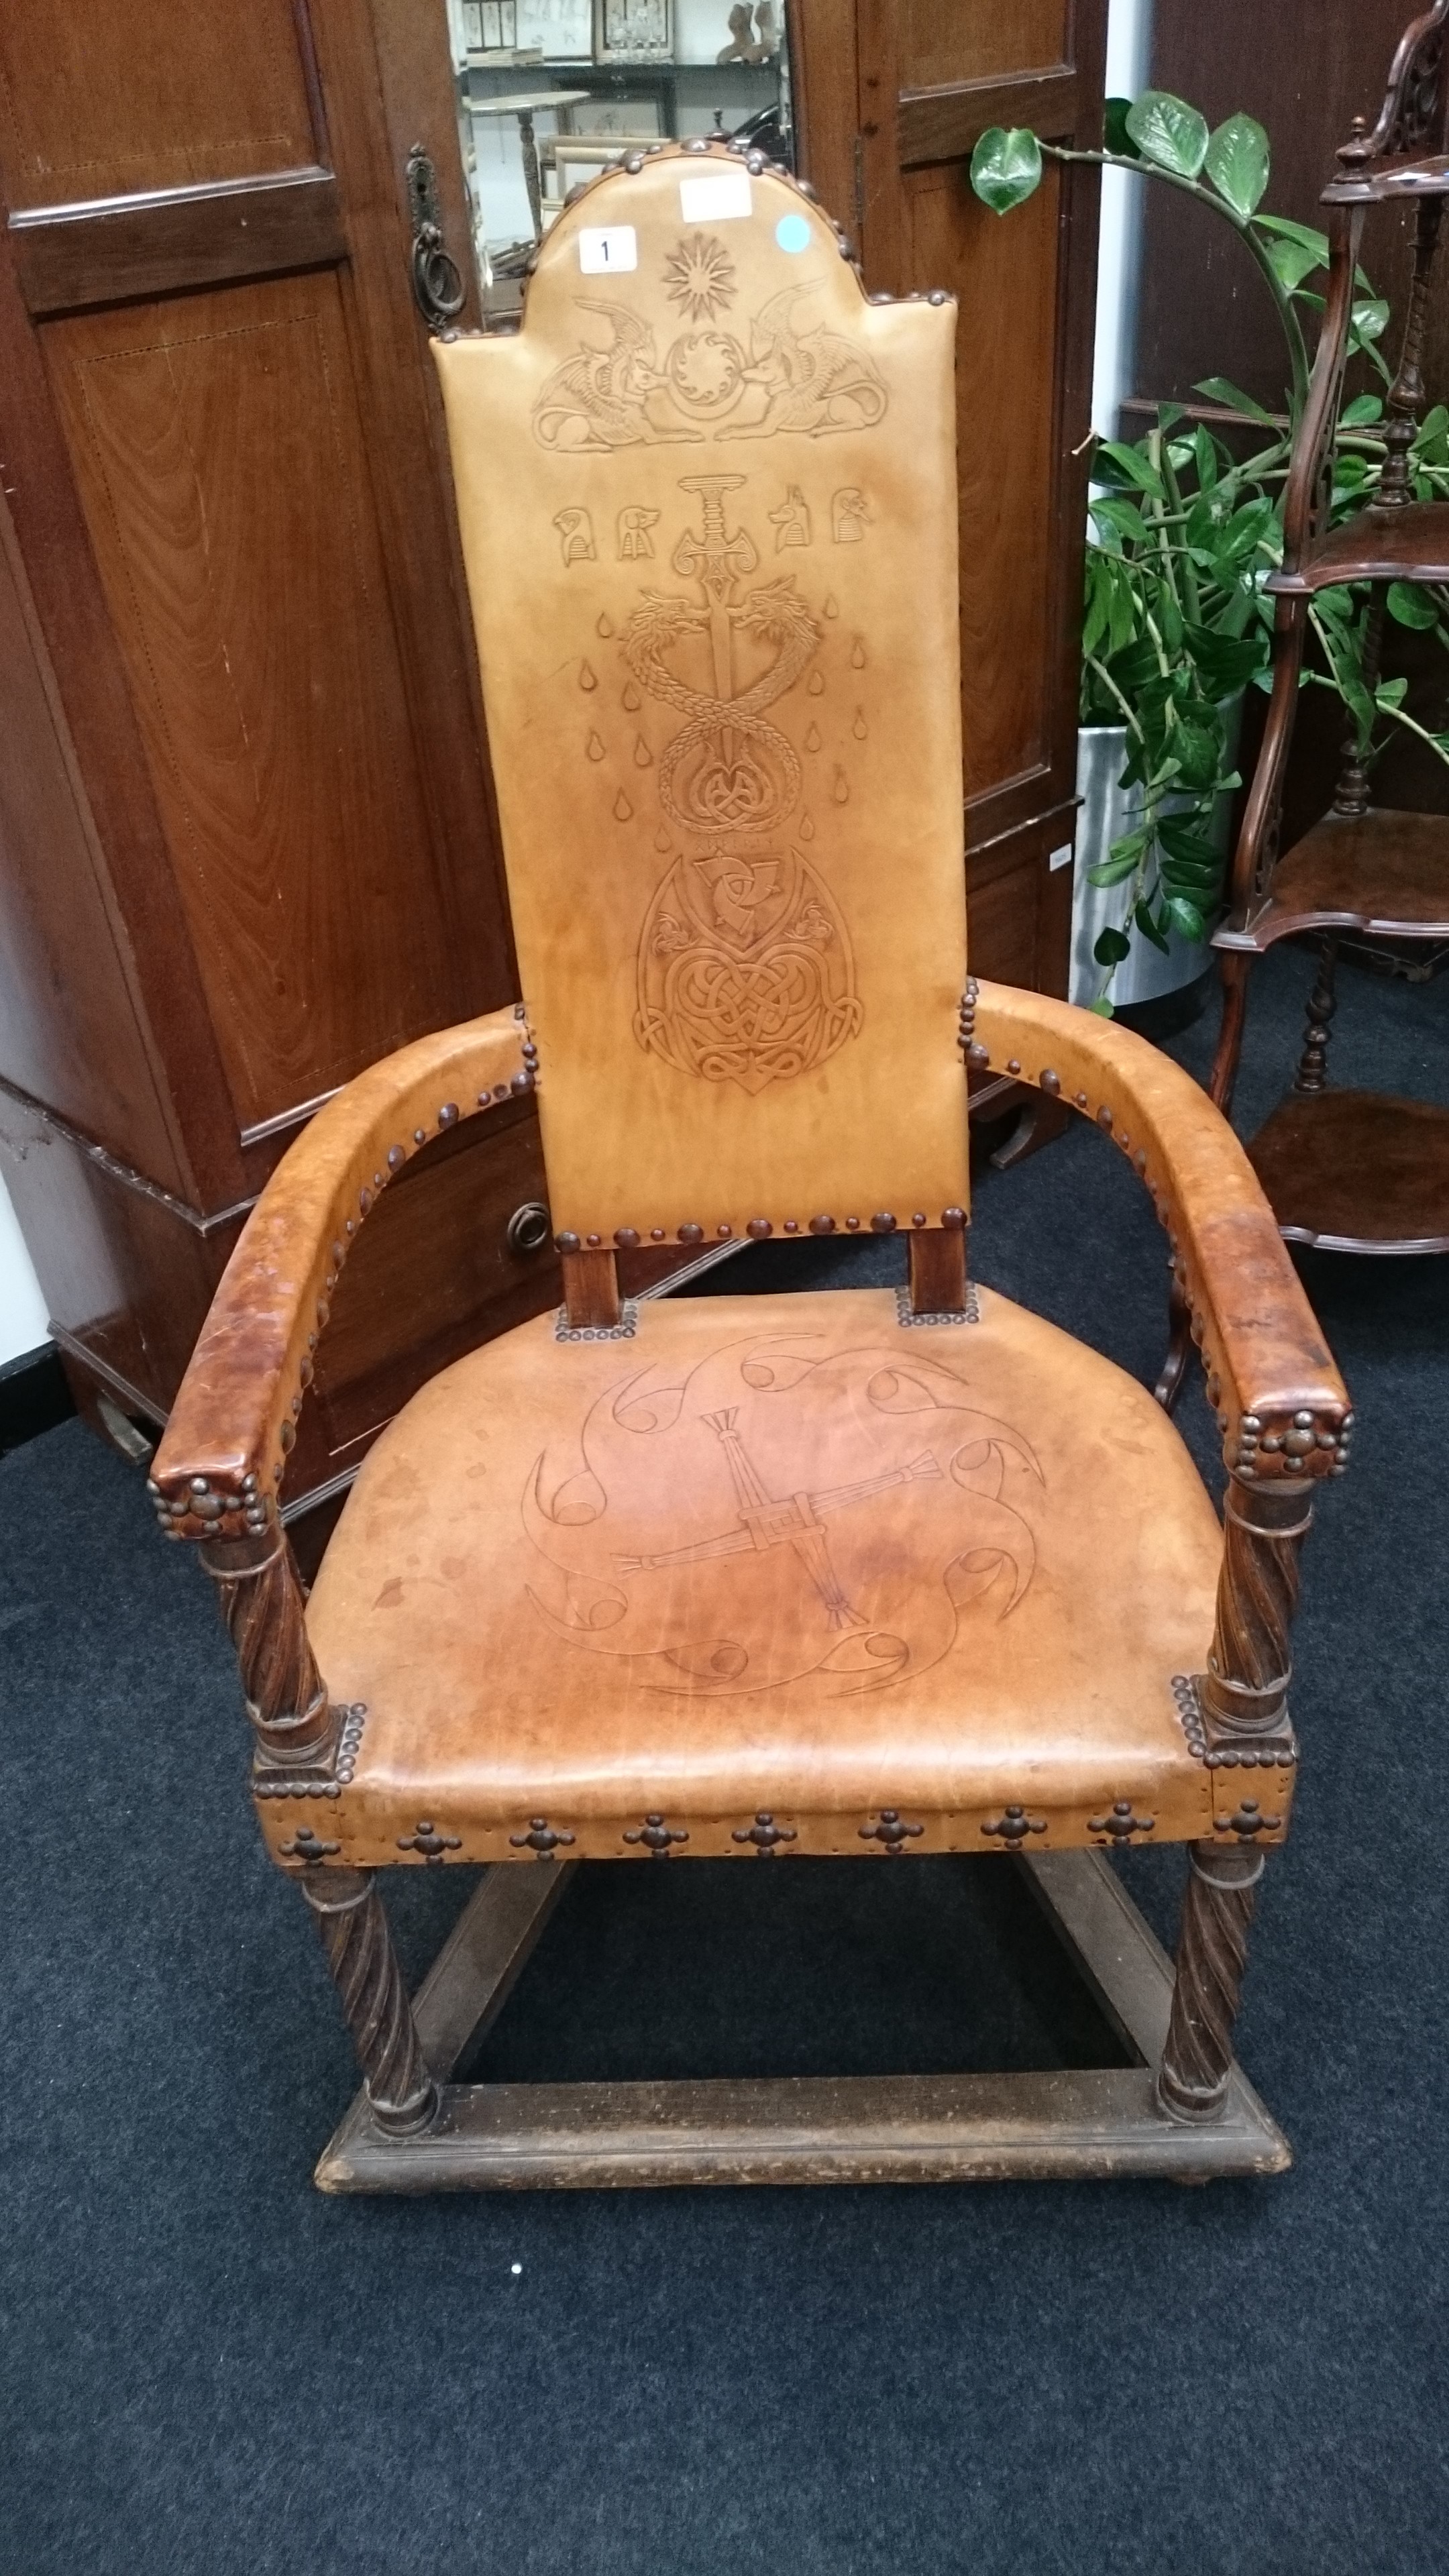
{"points": [[551, 92]]}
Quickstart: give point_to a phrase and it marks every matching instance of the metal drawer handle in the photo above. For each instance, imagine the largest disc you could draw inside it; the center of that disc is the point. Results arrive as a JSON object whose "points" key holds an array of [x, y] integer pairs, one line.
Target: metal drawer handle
{"points": [[528, 1228], [438, 288]]}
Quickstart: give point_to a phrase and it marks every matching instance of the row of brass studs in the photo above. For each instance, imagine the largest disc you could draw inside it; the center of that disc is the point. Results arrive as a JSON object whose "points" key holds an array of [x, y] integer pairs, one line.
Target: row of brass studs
{"points": [[204, 1504], [628, 1237]]}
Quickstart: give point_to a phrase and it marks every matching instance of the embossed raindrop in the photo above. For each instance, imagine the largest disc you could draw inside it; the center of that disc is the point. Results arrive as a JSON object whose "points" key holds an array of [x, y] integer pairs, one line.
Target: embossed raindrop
{"points": [[643, 756], [632, 700], [860, 728], [857, 655], [594, 747], [605, 627], [813, 738], [586, 677], [840, 788], [623, 810], [816, 684]]}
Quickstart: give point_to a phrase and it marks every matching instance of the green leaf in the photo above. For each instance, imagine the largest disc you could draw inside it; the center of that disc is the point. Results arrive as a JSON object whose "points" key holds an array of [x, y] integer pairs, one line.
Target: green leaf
{"points": [[1112, 946], [1006, 167], [1166, 130], [1291, 263], [1137, 468], [1410, 605], [1218, 389], [1391, 694], [1185, 845], [1205, 453], [1237, 162], [1150, 929], [1370, 318], [1304, 234], [1124, 516], [1363, 409], [1226, 662], [1185, 917], [1111, 872], [1115, 136]]}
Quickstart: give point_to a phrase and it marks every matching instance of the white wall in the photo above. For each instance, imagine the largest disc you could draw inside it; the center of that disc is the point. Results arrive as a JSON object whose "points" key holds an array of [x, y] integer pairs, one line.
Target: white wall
{"points": [[23, 1325], [1129, 29]]}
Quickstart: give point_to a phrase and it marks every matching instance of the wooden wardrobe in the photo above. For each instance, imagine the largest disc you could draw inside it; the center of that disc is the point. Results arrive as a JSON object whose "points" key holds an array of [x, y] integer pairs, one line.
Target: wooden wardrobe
{"points": [[247, 842]]}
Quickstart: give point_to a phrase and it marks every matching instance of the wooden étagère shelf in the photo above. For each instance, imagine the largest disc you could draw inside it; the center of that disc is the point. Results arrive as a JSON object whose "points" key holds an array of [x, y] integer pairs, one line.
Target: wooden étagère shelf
{"points": [[1352, 1171]]}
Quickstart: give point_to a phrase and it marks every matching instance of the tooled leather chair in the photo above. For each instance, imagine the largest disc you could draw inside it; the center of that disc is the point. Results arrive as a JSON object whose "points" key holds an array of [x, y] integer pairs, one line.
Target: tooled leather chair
{"points": [[879, 1573]]}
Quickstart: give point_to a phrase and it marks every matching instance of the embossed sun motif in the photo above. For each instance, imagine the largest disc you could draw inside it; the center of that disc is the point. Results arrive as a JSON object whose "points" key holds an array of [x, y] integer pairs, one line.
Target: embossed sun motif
{"points": [[777, 1512], [699, 276]]}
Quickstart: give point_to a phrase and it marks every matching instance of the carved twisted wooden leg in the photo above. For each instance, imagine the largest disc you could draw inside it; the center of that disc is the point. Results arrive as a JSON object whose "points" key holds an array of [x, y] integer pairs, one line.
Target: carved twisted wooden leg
{"points": [[363, 1962], [1244, 1692], [261, 1601], [1212, 1950]]}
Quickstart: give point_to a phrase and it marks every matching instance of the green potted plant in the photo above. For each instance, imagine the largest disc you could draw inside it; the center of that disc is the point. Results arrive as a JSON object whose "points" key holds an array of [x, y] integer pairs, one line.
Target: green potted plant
{"points": [[1183, 529]]}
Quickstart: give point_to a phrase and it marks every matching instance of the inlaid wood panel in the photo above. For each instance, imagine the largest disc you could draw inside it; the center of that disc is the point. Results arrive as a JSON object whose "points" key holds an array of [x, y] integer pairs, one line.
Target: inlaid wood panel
{"points": [[963, 40], [1004, 277], [221, 467], [111, 99]]}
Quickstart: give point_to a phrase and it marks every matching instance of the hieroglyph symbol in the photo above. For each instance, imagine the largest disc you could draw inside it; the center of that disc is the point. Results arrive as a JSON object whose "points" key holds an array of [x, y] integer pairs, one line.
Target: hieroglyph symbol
{"points": [[745, 972], [791, 522], [635, 541], [576, 533], [865, 1503], [794, 375], [849, 515]]}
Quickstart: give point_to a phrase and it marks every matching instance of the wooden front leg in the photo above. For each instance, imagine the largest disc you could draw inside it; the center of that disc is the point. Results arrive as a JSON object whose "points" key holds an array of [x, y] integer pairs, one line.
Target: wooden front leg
{"points": [[1212, 1951], [349, 1916], [260, 1593], [1243, 1699]]}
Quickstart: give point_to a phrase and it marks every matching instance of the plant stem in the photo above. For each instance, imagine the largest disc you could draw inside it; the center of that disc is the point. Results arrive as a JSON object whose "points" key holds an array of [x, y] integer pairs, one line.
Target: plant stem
{"points": [[1241, 224]]}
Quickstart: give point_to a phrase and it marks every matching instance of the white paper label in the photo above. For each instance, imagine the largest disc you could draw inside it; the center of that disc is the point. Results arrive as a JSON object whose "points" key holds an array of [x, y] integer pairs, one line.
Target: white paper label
{"points": [[1062, 858], [715, 199], [605, 249]]}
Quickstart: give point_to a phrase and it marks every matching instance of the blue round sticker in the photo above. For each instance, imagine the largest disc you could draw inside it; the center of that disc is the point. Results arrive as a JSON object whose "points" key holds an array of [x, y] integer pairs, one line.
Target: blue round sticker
{"points": [[792, 232]]}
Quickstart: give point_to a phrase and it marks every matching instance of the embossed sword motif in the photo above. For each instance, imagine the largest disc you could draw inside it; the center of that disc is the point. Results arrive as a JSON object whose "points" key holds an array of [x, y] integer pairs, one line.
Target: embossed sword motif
{"points": [[794, 1520]]}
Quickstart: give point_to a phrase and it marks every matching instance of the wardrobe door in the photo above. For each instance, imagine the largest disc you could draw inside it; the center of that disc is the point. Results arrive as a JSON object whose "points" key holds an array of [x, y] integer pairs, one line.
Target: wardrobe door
{"points": [[234, 649], [895, 94]]}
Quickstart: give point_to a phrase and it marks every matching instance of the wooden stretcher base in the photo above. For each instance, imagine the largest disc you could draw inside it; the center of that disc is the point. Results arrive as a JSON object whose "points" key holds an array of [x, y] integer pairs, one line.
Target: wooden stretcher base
{"points": [[1067, 2124]]}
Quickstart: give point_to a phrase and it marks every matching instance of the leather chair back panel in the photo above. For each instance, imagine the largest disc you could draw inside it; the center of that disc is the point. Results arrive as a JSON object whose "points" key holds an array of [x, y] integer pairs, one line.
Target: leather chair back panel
{"points": [[707, 498]]}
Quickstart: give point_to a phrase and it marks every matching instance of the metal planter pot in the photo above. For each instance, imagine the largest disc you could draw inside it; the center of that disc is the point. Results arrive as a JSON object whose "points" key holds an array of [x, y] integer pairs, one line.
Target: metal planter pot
{"points": [[1108, 811]]}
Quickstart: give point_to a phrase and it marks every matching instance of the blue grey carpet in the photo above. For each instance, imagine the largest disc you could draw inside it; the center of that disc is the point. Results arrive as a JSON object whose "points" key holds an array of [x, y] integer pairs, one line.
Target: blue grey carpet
{"points": [[208, 2367]]}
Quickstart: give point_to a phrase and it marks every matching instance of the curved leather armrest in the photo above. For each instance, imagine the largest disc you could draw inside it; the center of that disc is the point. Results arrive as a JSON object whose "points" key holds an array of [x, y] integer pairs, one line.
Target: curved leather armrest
{"points": [[1281, 1405], [224, 1450]]}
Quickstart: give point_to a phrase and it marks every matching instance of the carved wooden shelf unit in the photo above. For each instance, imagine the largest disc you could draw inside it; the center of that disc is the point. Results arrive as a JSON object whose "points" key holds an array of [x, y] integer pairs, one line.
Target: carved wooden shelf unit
{"points": [[1352, 1171]]}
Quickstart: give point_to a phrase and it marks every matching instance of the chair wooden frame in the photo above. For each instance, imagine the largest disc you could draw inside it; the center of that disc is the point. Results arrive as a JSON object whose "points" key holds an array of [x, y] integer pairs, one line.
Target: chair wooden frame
{"points": [[1185, 2110]]}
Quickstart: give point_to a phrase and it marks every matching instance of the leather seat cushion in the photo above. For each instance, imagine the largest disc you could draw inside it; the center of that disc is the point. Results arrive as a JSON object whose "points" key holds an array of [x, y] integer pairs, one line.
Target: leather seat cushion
{"points": [[788, 1555]]}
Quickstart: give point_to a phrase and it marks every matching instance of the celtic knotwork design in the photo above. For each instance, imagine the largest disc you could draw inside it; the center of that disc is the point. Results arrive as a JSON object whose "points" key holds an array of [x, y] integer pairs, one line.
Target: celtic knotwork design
{"points": [[745, 971]]}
